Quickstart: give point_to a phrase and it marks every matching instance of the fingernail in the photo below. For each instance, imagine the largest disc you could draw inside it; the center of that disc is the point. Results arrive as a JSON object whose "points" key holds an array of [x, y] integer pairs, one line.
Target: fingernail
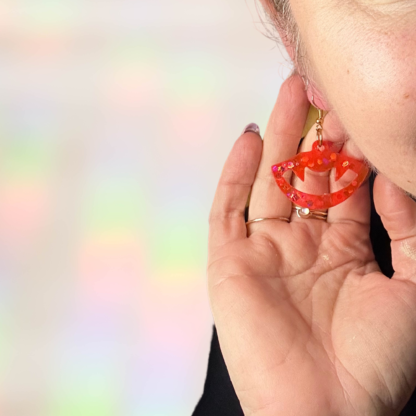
{"points": [[253, 128]]}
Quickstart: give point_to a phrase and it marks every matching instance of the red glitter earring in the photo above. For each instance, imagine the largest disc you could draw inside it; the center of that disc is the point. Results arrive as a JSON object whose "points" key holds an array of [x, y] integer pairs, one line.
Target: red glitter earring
{"points": [[323, 157]]}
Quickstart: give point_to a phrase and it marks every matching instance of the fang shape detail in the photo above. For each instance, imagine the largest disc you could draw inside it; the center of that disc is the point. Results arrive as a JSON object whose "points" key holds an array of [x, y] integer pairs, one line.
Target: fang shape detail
{"points": [[320, 159]]}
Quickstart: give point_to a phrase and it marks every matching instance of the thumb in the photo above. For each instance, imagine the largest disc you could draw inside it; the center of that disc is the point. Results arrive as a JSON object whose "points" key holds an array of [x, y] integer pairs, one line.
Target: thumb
{"points": [[398, 214]]}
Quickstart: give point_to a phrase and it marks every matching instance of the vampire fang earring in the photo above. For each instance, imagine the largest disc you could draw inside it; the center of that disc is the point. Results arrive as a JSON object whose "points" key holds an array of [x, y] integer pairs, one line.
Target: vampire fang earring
{"points": [[323, 157]]}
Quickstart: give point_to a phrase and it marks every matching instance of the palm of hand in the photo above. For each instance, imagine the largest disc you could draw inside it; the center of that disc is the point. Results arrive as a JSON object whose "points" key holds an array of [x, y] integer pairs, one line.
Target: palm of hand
{"points": [[318, 321], [307, 323]]}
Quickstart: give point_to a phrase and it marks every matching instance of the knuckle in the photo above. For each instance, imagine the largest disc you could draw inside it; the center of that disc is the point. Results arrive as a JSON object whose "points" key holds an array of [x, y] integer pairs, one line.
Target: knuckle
{"points": [[225, 215]]}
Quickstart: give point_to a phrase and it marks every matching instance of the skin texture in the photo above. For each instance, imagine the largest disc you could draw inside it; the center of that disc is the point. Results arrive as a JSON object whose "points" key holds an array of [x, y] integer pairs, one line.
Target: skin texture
{"points": [[361, 63], [307, 323]]}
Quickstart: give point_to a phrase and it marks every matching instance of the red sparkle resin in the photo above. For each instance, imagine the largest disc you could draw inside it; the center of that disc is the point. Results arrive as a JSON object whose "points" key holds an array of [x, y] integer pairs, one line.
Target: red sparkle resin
{"points": [[319, 159]]}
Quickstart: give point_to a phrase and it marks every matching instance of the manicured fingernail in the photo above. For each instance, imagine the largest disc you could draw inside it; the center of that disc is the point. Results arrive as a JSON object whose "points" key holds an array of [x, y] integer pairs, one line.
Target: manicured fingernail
{"points": [[253, 128]]}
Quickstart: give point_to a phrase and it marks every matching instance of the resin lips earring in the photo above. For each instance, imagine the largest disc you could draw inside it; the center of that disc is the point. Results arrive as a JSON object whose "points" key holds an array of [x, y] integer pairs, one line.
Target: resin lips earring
{"points": [[323, 157]]}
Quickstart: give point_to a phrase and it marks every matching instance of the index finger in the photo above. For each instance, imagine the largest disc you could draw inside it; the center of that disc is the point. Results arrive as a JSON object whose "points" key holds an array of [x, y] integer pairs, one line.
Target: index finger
{"points": [[226, 218], [281, 141]]}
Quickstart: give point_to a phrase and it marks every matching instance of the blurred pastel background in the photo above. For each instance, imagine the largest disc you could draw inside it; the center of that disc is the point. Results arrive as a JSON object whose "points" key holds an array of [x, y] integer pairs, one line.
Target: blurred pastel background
{"points": [[116, 117]]}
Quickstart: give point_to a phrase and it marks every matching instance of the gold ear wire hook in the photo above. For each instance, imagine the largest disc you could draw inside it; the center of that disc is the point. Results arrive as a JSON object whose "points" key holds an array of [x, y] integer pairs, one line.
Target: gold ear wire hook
{"points": [[319, 123]]}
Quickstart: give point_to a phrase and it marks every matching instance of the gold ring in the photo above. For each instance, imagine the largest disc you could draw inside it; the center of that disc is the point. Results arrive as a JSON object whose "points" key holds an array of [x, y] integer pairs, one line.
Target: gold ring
{"points": [[265, 219], [309, 213]]}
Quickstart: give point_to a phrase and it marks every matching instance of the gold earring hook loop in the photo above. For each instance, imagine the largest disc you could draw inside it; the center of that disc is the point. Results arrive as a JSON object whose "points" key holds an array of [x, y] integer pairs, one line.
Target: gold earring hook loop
{"points": [[319, 123]]}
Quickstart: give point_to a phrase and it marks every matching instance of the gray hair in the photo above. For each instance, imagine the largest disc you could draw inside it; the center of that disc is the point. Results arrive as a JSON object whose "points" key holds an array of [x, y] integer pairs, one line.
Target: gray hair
{"points": [[280, 16]]}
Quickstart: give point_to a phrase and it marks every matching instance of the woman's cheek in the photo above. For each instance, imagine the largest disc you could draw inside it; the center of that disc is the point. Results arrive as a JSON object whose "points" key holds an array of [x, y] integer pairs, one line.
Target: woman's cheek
{"points": [[369, 79]]}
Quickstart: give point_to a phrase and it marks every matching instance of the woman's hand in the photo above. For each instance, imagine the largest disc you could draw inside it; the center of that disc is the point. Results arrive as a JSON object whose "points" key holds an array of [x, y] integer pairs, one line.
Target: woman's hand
{"points": [[307, 323]]}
